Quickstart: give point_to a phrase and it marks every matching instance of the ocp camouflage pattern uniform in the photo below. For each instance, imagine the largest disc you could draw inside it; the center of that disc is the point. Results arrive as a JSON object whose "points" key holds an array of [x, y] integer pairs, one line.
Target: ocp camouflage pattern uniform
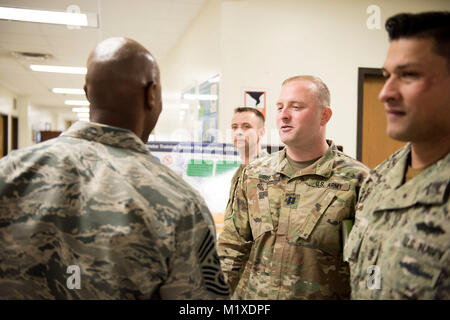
{"points": [[235, 178], [403, 230], [96, 198], [282, 238]]}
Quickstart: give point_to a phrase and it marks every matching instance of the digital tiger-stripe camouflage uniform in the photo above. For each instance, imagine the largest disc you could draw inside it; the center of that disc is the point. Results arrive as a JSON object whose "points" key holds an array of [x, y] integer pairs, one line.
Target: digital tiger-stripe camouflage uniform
{"points": [[96, 199], [399, 247], [282, 238]]}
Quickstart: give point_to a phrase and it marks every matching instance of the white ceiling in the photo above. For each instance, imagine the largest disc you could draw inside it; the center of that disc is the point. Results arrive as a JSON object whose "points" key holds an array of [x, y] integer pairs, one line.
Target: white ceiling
{"points": [[156, 24]]}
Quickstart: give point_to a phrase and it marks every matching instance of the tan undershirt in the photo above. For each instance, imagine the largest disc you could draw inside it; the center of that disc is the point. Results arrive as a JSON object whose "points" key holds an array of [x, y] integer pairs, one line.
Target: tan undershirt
{"points": [[411, 172], [299, 165]]}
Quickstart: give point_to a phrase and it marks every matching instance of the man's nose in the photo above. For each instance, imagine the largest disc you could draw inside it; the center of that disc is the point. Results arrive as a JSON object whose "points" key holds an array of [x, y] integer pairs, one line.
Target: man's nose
{"points": [[238, 132], [285, 113], [389, 90]]}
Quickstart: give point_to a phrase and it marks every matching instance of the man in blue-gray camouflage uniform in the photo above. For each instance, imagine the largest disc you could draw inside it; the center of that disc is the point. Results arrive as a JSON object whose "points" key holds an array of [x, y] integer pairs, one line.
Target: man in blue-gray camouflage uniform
{"points": [[92, 215]]}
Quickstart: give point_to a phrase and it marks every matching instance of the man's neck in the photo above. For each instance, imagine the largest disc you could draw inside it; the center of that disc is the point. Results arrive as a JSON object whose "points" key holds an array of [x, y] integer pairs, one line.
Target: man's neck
{"points": [[424, 154], [307, 153]]}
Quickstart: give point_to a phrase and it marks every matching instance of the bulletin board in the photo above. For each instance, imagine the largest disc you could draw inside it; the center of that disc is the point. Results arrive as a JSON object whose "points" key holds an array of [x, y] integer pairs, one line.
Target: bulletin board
{"points": [[207, 167]]}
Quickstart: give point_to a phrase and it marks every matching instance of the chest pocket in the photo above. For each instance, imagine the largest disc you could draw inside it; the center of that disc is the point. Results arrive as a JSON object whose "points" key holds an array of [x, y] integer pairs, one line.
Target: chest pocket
{"points": [[259, 209], [310, 226]]}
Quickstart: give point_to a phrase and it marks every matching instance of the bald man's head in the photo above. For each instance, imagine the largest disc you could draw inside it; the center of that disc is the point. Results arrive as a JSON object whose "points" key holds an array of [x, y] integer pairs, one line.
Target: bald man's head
{"points": [[123, 86]]}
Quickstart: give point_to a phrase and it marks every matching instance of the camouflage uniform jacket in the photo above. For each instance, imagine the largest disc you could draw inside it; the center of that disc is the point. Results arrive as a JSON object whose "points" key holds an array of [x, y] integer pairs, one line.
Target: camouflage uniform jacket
{"points": [[399, 247], [95, 199], [235, 179], [282, 238]]}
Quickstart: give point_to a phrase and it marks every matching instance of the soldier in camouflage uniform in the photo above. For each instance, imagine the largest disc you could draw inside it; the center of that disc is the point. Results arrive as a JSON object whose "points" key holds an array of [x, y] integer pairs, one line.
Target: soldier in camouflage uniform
{"points": [[247, 130], [282, 237], [399, 247], [92, 215]]}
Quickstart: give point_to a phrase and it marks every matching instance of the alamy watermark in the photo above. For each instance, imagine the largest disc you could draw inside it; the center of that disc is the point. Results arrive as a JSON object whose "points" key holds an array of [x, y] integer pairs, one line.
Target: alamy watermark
{"points": [[374, 280], [373, 22], [74, 281]]}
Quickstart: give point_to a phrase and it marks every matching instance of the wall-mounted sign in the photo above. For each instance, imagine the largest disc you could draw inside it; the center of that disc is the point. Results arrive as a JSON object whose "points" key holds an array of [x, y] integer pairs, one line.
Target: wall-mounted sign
{"points": [[256, 99]]}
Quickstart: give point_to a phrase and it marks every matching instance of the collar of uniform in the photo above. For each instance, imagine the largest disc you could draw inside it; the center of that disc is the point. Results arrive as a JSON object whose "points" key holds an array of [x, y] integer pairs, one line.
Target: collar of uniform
{"points": [[429, 187], [262, 154], [322, 167], [109, 135]]}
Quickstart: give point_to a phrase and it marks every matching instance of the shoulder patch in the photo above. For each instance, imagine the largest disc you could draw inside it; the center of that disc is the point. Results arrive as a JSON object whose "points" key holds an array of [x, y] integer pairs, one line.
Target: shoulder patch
{"points": [[210, 267]]}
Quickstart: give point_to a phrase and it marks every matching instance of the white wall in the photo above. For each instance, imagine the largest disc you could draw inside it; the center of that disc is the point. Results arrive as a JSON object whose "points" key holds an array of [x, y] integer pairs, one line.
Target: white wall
{"points": [[31, 118], [259, 43], [194, 59]]}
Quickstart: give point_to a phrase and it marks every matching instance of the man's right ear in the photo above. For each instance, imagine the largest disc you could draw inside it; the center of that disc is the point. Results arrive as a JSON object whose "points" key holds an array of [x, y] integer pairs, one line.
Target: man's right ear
{"points": [[150, 95], [86, 92]]}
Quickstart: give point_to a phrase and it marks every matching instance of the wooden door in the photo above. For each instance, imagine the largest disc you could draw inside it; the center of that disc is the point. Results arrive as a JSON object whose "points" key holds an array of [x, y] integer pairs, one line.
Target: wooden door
{"points": [[374, 144], [3, 135]]}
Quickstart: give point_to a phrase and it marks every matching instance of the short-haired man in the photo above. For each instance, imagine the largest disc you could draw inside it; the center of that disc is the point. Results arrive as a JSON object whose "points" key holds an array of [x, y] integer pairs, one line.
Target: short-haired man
{"points": [[92, 215], [247, 131], [399, 247], [282, 238]]}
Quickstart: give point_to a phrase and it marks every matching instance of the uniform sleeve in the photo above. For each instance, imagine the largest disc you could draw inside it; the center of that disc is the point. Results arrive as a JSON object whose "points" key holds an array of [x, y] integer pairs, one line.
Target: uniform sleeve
{"points": [[235, 240], [194, 267], [233, 186]]}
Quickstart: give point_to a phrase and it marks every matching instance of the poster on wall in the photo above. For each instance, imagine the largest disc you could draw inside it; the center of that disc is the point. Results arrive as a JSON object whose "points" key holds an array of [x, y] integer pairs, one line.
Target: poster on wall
{"points": [[207, 167], [256, 99]]}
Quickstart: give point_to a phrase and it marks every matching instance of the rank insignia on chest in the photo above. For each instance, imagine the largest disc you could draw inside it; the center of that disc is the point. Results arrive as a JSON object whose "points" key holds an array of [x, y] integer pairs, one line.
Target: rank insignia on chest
{"points": [[291, 200]]}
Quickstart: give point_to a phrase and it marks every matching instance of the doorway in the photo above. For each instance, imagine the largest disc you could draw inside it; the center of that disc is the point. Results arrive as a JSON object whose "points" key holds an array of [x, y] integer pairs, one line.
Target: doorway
{"points": [[373, 145], [15, 133], [4, 135]]}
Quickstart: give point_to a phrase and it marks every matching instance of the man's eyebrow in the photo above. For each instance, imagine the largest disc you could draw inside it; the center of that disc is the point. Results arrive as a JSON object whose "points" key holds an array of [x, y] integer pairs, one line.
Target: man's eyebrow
{"points": [[403, 66]]}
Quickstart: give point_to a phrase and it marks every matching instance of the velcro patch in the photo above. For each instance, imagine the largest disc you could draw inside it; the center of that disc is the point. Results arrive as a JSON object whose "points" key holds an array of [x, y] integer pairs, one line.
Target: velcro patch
{"points": [[210, 266], [341, 186]]}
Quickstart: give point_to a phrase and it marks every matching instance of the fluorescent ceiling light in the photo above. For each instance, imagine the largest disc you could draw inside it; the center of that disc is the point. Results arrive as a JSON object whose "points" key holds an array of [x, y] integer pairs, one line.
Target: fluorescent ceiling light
{"points": [[83, 115], [43, 16], [84, 119], [68, 91], [58, 69], [76, 102], [80, 109]]}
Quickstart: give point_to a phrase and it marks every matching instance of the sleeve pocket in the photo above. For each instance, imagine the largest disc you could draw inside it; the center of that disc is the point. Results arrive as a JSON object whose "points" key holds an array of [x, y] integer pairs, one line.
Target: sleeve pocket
{"points": [[259, 212]]}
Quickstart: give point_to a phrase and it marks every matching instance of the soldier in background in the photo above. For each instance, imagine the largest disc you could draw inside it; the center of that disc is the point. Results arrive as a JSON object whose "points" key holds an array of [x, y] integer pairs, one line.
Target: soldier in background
{"points": [[247, 130], [399, 247], [282, 236], [92, 215]]}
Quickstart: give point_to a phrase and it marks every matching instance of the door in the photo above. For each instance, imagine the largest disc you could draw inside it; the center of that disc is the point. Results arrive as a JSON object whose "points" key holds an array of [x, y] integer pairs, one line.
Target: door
{"points": [[374, 145], [15, 133], [4, 135]]}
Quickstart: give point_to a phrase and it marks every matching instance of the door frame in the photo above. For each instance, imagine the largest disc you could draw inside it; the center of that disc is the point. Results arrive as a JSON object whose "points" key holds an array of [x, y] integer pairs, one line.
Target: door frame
{"points": [[362, 73], [5, 134]]}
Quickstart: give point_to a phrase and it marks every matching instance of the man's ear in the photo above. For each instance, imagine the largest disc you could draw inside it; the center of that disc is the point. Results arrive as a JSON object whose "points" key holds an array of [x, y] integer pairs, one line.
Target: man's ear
{"points": [[86, 92], [326, 116], [261, 132], [150, 95]]}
